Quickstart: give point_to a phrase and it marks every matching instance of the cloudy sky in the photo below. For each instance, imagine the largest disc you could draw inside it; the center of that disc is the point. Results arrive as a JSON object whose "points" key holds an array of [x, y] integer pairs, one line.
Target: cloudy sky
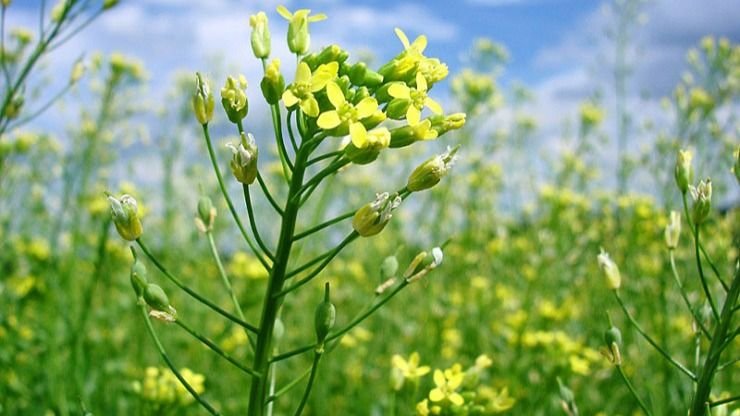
{"points": [[557, 47]]}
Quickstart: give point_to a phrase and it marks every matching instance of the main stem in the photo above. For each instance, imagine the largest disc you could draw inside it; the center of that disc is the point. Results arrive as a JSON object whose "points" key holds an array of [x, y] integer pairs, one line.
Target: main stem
{"points": [[706, 375], [259, 390]]}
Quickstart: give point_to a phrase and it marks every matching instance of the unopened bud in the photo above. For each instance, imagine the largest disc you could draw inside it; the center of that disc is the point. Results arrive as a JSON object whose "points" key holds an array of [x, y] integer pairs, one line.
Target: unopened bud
{"points": [[298, 37], [260, 35], [611, 271], [138, 277], [683, 172], [78, 70], [234, 98], [444, 123], [206, 214], [125, 213], [202, 100], [702, 196], [673, 230], [374, 216], [325, 316], [273, 83], [407, 135], [244, 161], [155, 297], [613, 340], [376, 141], [432, 171]]}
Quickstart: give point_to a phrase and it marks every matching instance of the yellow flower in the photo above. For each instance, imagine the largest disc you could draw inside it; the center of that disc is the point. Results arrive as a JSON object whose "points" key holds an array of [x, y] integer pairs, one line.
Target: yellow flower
{"points": [[447, 382], [418, 98], [305, 84], [497, 401], [407, 369], [345, 114], [610, 270]]}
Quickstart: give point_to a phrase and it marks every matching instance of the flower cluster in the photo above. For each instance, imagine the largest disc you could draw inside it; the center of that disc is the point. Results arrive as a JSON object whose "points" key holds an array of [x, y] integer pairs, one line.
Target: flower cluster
{"points": [[160, 387]]}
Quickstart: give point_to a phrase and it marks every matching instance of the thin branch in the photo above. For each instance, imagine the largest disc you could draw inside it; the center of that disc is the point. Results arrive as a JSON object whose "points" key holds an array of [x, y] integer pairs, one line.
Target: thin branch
{"points": [[323, 225], [253, 224], [215, 348]]}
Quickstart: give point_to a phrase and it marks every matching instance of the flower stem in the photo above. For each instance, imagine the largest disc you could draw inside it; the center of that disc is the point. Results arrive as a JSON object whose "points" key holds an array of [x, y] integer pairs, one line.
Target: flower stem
{"points": [[632, 390], [307, 392]]}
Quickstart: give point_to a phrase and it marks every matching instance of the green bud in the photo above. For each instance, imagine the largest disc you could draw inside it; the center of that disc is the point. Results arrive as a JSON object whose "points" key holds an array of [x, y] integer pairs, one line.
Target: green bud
{"points": [[702, 196], [260, 35], [673, 230], [357, 73], [331, 53], [683, 172], [234, 98], [273, 84], [396, 109], [613, 340], [298, 38], [567, 398], [372, 79], [138, 277], [613, 336], [244, 161], [202, 100], [206, 214], [125, 213], [444, 123], [156, 298], [377, 140], [373, 216], [325, 316], [429, 173], [109, 4]]}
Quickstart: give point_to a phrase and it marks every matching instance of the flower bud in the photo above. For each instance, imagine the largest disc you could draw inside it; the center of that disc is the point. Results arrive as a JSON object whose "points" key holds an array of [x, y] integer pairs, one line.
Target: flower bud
{"points": [[206, 214], [202, 101], [373, 217], [325, 316], [156, 298], [260, 35], [673, 230], [377, 140], [397, 108], [298, 38], [407, 135], [613, 340], [125, 213], [234, 98], [702, 196], [610, 269], [273, 83], [444, 123], [244, 162], [432, 171], [684, 172], [357, 73], [331, 53], [138, 277], [567, 399], [78, 70]]}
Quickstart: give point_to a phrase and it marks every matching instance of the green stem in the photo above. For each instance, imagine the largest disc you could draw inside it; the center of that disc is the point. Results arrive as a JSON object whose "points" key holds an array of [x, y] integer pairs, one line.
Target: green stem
{"points": [[307, 392], [230, 204], [215, 348], [323, 225], [289, 386], [329, 170], [701, 246], [191, 292], [253, 224], [651, 341], [724, 401], [172, 367], [701, 274], [325, 156], [709, 368], [268, 195], [227, 283], [351, 237], [694, 313], [632, 390]]}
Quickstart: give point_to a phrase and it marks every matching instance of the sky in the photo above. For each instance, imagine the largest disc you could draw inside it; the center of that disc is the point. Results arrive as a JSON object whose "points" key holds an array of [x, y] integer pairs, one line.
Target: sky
{"points": [[558, 48]]}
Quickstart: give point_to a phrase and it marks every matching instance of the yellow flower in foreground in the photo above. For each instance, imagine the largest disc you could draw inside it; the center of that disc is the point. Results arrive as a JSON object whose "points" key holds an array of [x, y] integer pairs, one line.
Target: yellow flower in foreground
{"points": [[417, 96], [345, 114], [409, 369], [447, 383], [305, 84]]}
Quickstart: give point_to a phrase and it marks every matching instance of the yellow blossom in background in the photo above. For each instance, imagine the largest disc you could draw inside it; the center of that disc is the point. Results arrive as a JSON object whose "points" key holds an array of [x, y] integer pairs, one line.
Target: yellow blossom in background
{"points": [[447, 383], [407, 370]]}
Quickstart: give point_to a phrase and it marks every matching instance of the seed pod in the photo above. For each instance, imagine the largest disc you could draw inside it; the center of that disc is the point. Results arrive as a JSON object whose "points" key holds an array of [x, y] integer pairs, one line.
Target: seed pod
{"points": [[325, 316], [373, 216], [244, 161], [125, 214], [429, 173]]}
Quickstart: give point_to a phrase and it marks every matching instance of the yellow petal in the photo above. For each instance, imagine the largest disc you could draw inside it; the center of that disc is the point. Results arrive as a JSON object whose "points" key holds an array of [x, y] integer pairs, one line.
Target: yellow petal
{"points": [[310, 106], [283, 11], [302, 73], [335, 94], [439, 378], [289, 99], [456, 399], [365, 108], [358, 134], [328, 120], [423, 370], [436, 395], [396, 360], [421, 82], [317, 17], [455, 381], [433, 105], [399, 90], [402, 36], [324, 73], [413, 116], [420, 44]]}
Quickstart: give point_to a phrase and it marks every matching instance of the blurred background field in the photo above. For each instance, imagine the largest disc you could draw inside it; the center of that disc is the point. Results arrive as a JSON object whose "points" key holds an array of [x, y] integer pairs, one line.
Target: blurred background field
{"points": [[575, 112]]}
